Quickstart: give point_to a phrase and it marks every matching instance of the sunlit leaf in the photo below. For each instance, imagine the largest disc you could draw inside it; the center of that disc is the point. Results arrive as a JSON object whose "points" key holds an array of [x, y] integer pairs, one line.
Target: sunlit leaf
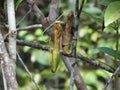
{"points": [[103, 73], [91, 78], [44, 39], [84, 31], [38, 32], [22, 33], [42, 87], [37, 77], [26, 49], [92, 52], [109, 30], [43, 60], [29, 37], [40, 57], [95, 36], [92, 9], [112, 13]]}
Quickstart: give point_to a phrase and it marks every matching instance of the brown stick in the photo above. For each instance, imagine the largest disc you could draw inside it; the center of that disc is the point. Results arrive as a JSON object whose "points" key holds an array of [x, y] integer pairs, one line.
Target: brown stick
{"points": [[36, 10], [81, 57]]}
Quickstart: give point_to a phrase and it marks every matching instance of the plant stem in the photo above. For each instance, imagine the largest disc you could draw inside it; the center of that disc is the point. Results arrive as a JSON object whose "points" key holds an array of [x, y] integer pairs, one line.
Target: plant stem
{"points": [[116, 57]]}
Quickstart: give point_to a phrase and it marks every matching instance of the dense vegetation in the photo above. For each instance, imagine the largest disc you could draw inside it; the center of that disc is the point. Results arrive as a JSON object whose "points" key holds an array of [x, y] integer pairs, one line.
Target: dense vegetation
{"points": [[98, 39]]}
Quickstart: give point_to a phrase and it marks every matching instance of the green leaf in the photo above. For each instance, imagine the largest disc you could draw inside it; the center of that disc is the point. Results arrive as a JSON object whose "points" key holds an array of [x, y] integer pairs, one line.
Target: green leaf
{"points": [[26, 48], [42, 87], [91, 78], [17, 4], [40, 57], [43, 60], [112, 13], [108, 51], [109, 30], [95, 36], [107, 2], [38, 32], [94, 17], [21, 72], [103, 73], [29, 37], [22, 33], [44, 38]]}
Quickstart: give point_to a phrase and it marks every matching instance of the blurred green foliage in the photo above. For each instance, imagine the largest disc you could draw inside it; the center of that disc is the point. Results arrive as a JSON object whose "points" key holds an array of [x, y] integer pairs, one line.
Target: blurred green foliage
{"points": [[91, 37], [112, 13]]}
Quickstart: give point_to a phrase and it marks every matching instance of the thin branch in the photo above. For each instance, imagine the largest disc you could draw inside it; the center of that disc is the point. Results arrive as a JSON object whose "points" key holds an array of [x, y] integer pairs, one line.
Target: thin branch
{"points": [[29, 73], [36, 10], [80, 10], [77, 17], [81, 57], [34, 45], [24, 17], [51, 25], [53, 12], [46, 21], [110, 79], [95, 63], [79, 85], [29, 27], [23, 28], [76, 6]]}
